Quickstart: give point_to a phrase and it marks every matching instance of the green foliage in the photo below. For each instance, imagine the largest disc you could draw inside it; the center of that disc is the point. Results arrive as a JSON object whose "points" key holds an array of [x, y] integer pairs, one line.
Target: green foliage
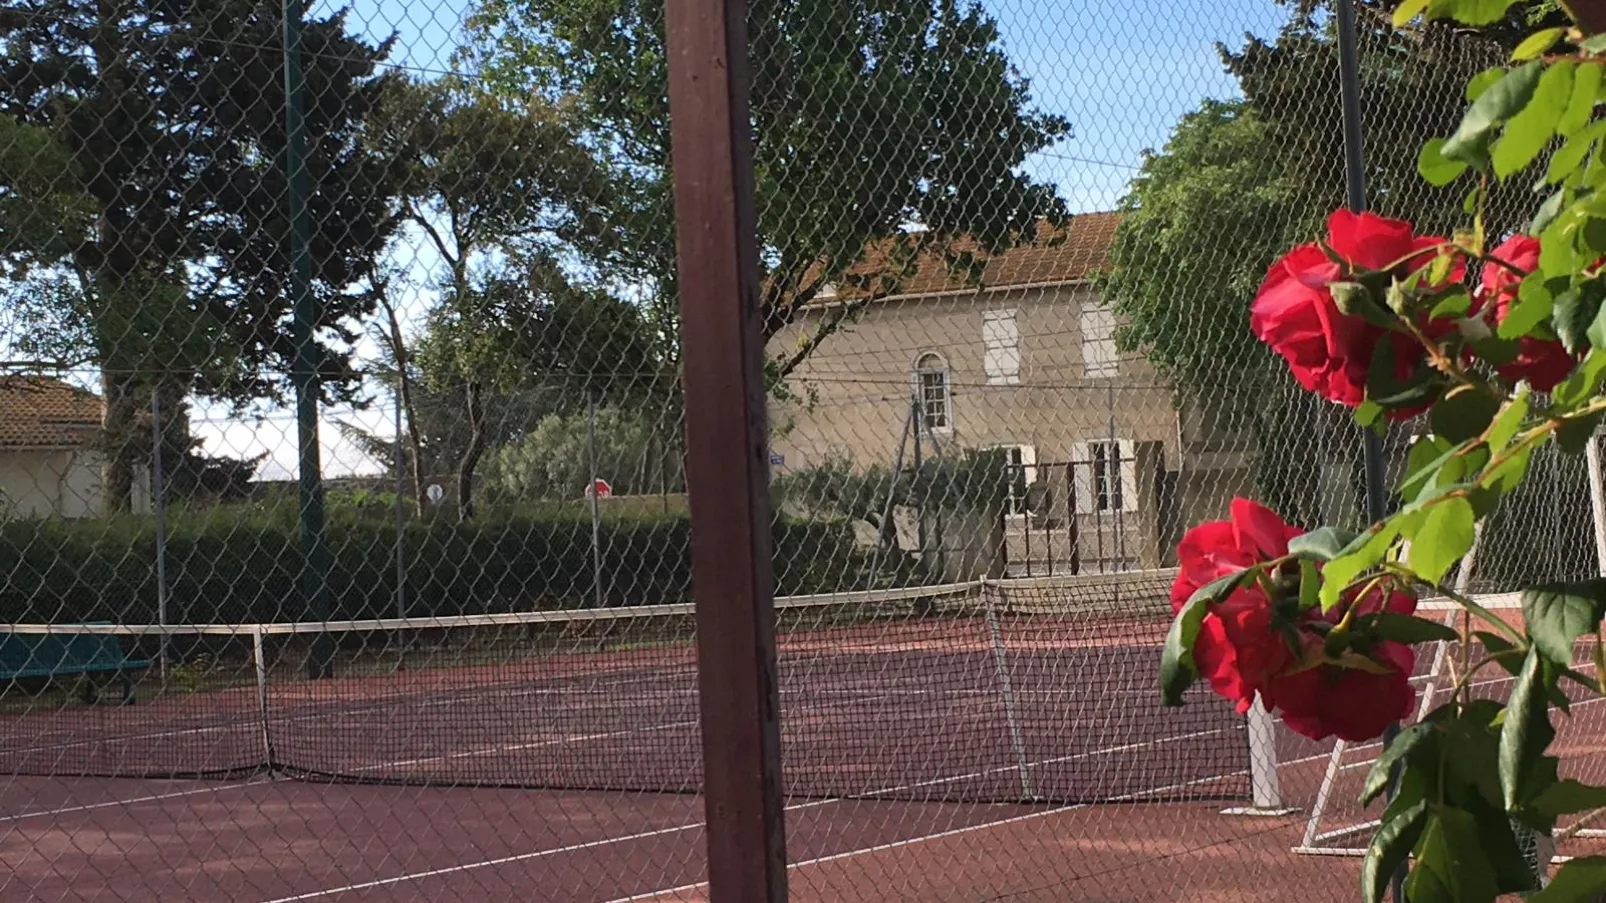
{"points": [[177, 246], [1580, 880], [1257, 176], [1557, 614], [504, 189], [1476, 779], [866, 117], [1525, 733], [239, 564], [636, 452], [1323, 544], [977, 480], [523, 332], [1445, 535]]}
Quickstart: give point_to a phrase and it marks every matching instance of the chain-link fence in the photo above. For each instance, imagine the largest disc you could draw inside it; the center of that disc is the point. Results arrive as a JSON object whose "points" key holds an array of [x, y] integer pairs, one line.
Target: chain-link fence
{"points": [[344, 520]]}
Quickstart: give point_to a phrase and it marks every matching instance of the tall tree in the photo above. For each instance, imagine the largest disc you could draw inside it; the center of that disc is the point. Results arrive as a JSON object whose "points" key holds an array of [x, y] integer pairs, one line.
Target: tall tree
{"points": [[1238, 183], [531, 333], [496, 187], [869, 117], [171, 119]]}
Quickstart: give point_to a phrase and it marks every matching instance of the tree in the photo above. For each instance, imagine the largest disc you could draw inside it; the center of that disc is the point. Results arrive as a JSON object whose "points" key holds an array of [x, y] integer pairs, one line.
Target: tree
{"points": [[172, 262], [869, 117], [497, 188], [1237, 183], [530, 331]]}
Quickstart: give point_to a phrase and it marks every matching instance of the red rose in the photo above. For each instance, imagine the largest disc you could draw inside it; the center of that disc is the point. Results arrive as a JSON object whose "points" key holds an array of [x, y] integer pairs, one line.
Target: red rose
{"points": [[1294, 313], [1237, 651], [1542, 362], [1352, 704]]}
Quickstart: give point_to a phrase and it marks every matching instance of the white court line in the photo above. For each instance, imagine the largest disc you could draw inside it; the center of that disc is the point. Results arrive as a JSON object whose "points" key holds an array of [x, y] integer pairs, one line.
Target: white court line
{"points": [[504, 860], [517, 747], [68, 810], [537, 854], [951, 832]]}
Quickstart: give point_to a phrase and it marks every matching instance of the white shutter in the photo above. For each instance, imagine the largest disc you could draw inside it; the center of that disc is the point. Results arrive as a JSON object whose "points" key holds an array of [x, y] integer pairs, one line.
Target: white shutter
{"points": [[1082, 479], [1028, 458], [1129, 474], [1099, 358], [1000, 336]]}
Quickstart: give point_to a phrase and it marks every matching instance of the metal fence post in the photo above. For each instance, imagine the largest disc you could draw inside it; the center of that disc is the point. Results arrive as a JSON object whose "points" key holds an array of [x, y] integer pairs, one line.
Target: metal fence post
{"points": [[159, 509], [727, 448], [314, 544], [399, 458], [596, 501], [1349, 71]]}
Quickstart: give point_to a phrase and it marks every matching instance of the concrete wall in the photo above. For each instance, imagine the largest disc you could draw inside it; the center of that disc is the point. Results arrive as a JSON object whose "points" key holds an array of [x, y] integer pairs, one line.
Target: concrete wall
{"points": [[855, 389], [50, 483]]}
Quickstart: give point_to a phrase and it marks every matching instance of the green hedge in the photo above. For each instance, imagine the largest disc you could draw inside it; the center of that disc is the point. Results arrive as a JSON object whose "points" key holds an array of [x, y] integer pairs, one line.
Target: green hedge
{"points": [[239, 565]]}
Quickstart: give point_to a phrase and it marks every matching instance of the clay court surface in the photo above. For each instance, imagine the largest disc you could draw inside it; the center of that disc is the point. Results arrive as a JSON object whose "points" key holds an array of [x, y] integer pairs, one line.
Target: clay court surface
{"points": [[280, 840], [920, 765]]}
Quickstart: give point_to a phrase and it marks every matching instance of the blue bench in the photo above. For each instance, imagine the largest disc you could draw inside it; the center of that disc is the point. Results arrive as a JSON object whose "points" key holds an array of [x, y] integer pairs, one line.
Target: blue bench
{"points": [[53, 655]]}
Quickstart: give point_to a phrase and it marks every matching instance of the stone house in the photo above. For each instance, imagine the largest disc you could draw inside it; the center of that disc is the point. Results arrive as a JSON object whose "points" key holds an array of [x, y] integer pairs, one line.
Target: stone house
{"points": [[1107, 464]]}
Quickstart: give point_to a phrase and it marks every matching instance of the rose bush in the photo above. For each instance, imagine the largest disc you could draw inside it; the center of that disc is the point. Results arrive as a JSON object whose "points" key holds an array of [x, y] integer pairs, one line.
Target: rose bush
{"points": [[1320, 625], [1238, 650], [1297, 315], [1543, 362], [1259, 640]]}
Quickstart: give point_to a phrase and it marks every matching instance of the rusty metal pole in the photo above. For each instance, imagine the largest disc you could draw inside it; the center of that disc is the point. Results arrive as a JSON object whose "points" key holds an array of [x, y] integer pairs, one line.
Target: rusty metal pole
{"points": [[727, 462]]}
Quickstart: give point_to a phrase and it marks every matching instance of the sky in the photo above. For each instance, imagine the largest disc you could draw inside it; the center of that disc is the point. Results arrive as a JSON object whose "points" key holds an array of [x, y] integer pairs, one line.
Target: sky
{"points": [[1122, 73]]}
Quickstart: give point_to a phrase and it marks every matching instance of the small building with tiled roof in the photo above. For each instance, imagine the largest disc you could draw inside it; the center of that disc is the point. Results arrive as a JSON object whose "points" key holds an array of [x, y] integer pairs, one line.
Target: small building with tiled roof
{"points": [[1022, 358], [50, 464]]}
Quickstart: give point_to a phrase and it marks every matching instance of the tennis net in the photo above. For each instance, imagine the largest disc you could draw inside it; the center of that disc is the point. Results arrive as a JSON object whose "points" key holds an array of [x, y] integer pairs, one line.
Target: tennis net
{"points": [[1016, 690]]}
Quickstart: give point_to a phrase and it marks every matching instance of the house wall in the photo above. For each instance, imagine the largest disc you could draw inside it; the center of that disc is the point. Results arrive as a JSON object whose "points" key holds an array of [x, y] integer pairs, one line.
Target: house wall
{"points": [[50, 483], [853, 399], [856, 387]]}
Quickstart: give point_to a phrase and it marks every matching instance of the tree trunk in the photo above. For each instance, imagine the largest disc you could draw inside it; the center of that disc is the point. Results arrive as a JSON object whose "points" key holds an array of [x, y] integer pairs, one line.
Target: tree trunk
{"points": [[404, 383], [417, 443], [117, 435], [475, 409]]}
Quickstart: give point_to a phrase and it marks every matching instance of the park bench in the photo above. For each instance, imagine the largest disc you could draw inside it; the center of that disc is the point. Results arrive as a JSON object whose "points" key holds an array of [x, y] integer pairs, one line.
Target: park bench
{"points": [[97, 658]]}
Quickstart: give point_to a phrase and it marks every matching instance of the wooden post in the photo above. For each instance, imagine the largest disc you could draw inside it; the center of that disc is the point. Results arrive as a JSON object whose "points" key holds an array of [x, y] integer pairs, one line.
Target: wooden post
{"points": [[727, 460]]}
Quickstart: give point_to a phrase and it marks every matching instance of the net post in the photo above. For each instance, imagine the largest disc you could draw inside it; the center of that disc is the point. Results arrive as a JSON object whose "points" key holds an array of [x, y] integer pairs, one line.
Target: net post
{"points": [[1265, 789], [1006, 691], [1597, 500], [259, 662], [727, 460]]}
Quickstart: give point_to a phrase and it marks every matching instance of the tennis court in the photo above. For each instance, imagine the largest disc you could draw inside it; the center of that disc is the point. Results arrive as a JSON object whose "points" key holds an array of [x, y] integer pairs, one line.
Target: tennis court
{"points": [[561, 750], [1001, 740]]}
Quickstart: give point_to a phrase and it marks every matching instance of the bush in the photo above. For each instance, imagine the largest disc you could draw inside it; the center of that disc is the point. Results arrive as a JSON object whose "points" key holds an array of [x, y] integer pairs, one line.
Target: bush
{"points": [[242, 565], [636, 453]]}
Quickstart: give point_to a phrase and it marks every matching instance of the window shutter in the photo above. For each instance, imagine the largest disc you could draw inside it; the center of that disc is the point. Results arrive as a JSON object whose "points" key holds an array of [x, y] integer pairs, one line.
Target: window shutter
{"points": [[1000, 336], [1099, 358], [1129, 474], [1082, 478]]}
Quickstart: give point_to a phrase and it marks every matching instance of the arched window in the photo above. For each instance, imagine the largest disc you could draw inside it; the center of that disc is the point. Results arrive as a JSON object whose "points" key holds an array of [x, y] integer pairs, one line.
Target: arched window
{"points": [[931, 388]]}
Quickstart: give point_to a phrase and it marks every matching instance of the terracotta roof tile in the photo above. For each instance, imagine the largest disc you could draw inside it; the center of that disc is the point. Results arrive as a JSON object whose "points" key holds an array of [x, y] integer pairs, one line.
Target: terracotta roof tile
{"points": [[1068, 253], [36, 412]]}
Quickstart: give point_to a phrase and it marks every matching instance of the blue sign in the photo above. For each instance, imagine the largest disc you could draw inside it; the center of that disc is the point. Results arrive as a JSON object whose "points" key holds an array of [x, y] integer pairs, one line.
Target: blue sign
{"points": [[777, 460]]}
